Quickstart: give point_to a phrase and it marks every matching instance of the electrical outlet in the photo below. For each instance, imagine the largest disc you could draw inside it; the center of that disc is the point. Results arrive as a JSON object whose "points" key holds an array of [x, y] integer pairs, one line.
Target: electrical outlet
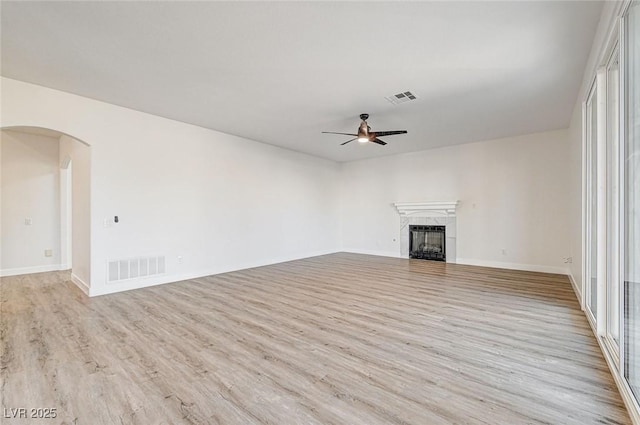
{"points": [[48, 253], [567, 260], [179, 259], [28, 221]]}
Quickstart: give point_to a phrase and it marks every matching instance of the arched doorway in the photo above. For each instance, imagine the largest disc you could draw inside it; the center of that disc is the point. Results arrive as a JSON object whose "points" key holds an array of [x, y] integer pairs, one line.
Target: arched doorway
{"points": [[45, 203]]}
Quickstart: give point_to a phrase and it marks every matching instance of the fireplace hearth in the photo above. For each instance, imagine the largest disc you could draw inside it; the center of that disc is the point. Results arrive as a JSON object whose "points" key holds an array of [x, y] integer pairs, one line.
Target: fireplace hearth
{"points": [[427, 242]]}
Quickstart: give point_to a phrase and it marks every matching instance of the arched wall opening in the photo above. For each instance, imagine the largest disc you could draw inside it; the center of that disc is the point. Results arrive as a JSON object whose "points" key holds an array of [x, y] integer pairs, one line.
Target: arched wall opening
{"points": [[45, 195]]}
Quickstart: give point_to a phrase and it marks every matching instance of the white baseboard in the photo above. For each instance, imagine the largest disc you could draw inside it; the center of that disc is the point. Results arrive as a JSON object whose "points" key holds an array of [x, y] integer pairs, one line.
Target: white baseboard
{"points": [[372, 252], [132, 284], [513, 266], [29, 270], [576, 289], [80, 284]]}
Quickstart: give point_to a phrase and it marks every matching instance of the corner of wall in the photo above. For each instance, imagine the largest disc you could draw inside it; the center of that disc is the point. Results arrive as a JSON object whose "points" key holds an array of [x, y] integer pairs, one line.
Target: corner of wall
{"points": [[84, 287], [577, 289]]}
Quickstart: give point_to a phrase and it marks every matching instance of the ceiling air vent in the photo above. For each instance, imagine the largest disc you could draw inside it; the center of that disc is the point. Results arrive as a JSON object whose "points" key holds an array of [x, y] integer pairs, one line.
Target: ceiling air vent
{"points": [[403, 97]]}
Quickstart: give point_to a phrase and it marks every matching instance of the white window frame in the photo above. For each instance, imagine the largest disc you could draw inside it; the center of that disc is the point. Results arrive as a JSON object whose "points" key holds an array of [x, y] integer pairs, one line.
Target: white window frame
{"points": [[588, 140], [613, 265]]}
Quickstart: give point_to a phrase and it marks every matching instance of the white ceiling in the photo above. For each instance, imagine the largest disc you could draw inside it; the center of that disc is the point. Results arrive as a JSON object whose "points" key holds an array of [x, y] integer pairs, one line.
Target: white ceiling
{"points": [[282, 72]]}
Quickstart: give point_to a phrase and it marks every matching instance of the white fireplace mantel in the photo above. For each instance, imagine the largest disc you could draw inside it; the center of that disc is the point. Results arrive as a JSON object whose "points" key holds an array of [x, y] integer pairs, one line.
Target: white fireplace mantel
{"points": [[427, 209], [429, 214]]}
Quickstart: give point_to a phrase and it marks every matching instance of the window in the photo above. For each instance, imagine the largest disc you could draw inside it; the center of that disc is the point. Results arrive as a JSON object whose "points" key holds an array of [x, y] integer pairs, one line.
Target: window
{"points": [[592, 205], [631, 200], [612, 203]]}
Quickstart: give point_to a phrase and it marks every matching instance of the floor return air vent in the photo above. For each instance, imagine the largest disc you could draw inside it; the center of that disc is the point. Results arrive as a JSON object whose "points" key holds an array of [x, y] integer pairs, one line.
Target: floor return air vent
{"points": [[132, 268]]}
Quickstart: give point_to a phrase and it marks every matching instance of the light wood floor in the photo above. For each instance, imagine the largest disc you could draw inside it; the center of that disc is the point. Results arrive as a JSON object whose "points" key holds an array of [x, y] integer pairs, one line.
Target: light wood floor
{"points": [[338, 339]]}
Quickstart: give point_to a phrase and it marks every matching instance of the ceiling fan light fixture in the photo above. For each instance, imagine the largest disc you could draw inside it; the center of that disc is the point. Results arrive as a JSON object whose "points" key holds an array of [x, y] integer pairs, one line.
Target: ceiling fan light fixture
{"points": [[363, 132], [365, 135]]}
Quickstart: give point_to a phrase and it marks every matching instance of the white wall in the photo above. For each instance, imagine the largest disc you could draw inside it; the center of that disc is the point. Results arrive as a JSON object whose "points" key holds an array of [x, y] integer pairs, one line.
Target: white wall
{"points": [[1, 204], [30, 189], [219, 201], [80, 167], [513, 196], [223, 203]]}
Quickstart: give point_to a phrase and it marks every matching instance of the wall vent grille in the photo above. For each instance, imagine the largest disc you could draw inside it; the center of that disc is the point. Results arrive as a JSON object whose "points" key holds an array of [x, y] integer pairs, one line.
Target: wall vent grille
{"points": [[403, 97], [133, 268]]}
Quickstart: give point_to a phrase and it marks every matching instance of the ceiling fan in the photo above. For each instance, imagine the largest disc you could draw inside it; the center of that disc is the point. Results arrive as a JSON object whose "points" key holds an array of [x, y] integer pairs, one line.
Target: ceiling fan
{"points": [[365, 134]]}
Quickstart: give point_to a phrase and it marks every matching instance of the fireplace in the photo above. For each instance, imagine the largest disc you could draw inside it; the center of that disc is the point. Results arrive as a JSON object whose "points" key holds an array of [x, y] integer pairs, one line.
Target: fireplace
{"points": [[427, 242], [437, 216]]}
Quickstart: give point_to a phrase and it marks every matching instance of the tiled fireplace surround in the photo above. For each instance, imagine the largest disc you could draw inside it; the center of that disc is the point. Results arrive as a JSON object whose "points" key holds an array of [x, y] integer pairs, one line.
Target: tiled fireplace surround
{"points": [[429, 214]]}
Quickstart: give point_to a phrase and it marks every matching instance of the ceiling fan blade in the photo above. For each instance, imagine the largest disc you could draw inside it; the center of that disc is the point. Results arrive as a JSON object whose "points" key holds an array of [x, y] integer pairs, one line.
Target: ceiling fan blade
{"points": [[344, 134], [378, 141], [389, 133], [342, 144]]}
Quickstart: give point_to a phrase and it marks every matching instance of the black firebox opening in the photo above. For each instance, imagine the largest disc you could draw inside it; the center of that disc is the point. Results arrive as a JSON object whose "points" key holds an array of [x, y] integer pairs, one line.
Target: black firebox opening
{"points": [[427, 242]]}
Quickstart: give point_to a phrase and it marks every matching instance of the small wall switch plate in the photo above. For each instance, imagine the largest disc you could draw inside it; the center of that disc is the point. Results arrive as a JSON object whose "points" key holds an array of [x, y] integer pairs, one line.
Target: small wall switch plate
{"points": [[28, 221], [48, 253]]}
